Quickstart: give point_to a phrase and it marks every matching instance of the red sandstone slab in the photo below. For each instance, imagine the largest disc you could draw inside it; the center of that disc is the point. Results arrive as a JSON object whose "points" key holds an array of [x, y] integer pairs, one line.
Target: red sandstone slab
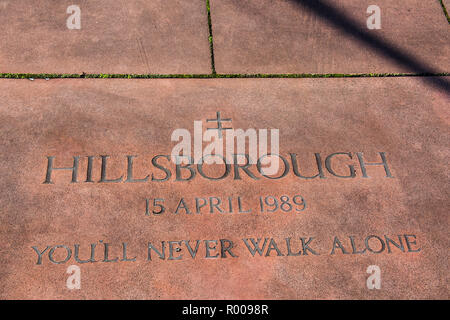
{"points": [[283, 36], [400, 117], [132, 36]]}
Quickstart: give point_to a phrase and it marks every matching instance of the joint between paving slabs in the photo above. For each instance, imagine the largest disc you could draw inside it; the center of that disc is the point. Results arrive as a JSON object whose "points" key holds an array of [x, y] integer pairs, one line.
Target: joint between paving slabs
{"points": [[48, 76], [210, 37], [445, 10]]}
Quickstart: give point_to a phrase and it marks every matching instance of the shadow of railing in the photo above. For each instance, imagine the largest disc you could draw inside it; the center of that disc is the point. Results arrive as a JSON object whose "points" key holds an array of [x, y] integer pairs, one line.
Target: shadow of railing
{"points": [[351, 27]]}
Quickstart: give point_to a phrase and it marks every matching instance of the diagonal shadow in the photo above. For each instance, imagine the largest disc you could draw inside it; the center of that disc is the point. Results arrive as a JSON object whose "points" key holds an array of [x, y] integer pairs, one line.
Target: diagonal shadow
{"points": [[350, 26]]}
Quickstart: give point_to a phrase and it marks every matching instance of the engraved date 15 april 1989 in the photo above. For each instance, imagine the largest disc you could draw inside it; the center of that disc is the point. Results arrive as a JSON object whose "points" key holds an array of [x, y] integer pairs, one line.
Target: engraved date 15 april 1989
{"points": [[199, 205]]}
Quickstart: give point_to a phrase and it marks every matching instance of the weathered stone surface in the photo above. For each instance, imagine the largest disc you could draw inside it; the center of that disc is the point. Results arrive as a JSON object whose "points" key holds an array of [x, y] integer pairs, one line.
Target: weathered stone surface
{"points": [[66, 118], [283, 36], [132, 36]]}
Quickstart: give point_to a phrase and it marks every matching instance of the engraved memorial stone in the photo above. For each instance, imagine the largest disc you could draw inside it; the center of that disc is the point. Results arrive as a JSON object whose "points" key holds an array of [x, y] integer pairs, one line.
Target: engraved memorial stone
{"points": [[109, 189]]}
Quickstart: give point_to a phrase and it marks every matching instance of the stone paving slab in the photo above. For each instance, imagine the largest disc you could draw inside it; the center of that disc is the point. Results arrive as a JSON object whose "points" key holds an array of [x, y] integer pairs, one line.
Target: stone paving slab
{"points": [[132, 36], [45, 124], [282, 36]]}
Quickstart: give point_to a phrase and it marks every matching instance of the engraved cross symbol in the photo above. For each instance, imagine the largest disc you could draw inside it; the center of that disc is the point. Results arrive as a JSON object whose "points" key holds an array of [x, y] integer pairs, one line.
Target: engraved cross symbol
{"points": [[219, 124]]}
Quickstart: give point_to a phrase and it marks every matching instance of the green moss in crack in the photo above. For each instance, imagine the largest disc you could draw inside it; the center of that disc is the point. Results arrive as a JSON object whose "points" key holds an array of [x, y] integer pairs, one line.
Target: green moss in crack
{"points": [[210, 38], [445, 10], [213, 76]]}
